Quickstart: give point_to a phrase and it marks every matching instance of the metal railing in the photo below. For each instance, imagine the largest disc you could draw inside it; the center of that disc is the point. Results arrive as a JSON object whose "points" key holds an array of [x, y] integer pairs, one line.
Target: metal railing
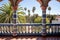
{"points": [[29, 29]]}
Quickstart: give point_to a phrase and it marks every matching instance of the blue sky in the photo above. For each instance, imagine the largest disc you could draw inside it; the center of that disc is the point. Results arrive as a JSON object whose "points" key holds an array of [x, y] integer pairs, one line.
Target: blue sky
{"points": [[29, 4]]}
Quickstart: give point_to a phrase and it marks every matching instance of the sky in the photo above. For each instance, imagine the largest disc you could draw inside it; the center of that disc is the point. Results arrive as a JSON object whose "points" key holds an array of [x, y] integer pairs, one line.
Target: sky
{"points": [[29, 4]]}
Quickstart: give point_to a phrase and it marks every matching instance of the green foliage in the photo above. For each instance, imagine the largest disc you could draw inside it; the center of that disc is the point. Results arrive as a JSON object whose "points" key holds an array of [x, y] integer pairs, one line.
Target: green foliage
{"points": [[49, 8], [47, 20], [38, 20], [51, 17], [25, 8], [33, 9], [6, 13], [21, 17], [21, 13]]}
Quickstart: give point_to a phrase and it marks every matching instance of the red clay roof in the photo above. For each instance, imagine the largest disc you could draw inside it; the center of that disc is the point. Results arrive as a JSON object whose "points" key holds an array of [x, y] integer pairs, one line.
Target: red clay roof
{"points": [[57, 16]]}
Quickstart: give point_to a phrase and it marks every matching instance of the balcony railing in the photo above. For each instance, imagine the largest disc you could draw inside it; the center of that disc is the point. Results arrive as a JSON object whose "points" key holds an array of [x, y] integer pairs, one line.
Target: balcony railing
{"points": [[29, 29]]}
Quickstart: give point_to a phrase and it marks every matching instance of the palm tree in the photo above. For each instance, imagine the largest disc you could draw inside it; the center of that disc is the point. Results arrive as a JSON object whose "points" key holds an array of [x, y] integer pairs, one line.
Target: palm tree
{"points": [[25, 8], [28, 12], [6, 13], [50, 18], [49, 8], [33, 10]]}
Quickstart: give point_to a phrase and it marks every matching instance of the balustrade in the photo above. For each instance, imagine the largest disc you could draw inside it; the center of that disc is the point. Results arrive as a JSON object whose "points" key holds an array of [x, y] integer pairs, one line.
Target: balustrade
{"points": [[30, 29]]}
